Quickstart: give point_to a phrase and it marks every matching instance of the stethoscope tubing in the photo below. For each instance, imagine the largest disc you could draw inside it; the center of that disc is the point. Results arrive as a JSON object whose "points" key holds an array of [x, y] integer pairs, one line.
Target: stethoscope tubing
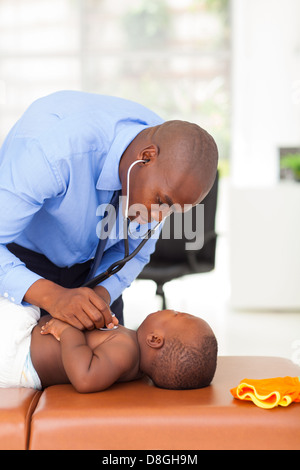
{"points": [[118, 265]]}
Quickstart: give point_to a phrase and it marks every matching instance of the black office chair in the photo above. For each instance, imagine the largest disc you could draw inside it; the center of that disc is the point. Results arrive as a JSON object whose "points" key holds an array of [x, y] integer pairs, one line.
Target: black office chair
{"points": [[172, 260]]}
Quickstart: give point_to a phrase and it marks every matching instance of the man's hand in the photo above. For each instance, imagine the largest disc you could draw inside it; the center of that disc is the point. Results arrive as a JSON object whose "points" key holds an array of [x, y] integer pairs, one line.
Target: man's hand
{"points": [[81, 307]]}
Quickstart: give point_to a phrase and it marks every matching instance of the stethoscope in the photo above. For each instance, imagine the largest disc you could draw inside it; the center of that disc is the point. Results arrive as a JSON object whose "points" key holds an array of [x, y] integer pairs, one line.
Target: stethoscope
{"points": [[118, 265]]}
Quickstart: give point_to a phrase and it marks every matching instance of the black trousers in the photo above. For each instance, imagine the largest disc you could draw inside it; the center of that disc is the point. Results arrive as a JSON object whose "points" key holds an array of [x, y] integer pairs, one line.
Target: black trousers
{"points": [[72, 277]]}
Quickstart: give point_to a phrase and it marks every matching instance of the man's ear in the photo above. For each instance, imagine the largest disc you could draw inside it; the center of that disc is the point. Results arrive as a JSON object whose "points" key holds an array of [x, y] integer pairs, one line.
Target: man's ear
{"points": [[154, 340], [149, 153]]}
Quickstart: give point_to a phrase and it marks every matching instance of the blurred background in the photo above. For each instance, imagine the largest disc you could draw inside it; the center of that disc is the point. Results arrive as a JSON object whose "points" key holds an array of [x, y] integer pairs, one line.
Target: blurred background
{"points": [[231, 66]]}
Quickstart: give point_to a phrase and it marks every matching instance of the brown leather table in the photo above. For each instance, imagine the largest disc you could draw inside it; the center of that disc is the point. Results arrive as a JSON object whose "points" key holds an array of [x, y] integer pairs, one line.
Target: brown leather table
{"points": [[138, 415], [16, 408]]}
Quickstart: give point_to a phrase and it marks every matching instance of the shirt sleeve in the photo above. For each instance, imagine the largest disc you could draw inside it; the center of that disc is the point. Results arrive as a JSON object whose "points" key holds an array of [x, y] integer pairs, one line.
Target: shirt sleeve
{"points": [[26, 181], [116, 284]]}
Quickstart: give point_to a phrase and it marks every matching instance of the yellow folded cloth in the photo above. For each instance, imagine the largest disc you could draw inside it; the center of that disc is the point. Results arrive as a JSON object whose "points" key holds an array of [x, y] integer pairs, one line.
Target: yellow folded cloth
{"points": [[268, 393]]}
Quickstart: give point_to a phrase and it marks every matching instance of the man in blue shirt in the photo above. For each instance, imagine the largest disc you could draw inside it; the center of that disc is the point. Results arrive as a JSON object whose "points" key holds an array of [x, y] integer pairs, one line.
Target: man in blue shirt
{"points": [[65, 158]]}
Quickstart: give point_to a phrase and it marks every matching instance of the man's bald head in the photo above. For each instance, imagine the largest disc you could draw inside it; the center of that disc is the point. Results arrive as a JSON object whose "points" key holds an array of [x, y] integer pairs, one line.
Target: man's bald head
{"points": [[189, 146], [180, 163]]}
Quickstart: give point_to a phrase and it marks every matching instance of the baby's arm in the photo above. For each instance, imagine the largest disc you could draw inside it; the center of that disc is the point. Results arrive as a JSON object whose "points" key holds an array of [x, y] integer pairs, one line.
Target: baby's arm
{"points": [[90, 370]]}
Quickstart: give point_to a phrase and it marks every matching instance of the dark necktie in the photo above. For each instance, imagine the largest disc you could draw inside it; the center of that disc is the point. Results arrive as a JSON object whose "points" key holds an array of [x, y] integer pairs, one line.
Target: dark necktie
{"points": [[114, 203]]}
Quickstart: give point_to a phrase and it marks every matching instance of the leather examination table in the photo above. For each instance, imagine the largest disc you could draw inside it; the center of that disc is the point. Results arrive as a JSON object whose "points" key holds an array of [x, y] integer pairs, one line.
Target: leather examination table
{"points": [[137, 415]]}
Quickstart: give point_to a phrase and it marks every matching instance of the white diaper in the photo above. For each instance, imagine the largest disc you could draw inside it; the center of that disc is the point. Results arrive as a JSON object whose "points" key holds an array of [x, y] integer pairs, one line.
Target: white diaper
{"points": [[30, 378], [16, 324]]}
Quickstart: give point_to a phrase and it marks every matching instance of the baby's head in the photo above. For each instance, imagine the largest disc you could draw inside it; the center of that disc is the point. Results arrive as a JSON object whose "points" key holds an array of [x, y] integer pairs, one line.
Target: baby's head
{"points": [[178, 350]]}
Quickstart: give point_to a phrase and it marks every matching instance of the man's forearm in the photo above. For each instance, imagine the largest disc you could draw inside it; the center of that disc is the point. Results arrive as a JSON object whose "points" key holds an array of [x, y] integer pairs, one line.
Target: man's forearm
{"points": [[15, 278], [42, 292], [81, 307]]}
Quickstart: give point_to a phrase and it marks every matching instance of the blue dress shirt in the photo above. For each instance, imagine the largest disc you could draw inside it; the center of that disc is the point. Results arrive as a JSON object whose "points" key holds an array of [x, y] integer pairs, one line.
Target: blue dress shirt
{"points": [[57, 165]]}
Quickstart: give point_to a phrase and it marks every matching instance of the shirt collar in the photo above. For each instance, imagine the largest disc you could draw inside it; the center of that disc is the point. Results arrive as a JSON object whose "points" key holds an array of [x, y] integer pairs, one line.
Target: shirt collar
{"points": [[109, 179]]}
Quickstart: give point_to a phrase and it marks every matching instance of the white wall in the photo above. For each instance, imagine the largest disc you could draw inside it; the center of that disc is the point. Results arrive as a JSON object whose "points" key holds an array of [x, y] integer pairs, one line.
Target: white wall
{"points": [[264, 212], [265, 248], [265, 87]]}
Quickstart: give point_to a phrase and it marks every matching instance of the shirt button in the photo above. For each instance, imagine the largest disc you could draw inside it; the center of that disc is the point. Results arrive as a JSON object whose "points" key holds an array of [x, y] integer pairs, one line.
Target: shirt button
{"points": [[5, 294], [12, 299]]}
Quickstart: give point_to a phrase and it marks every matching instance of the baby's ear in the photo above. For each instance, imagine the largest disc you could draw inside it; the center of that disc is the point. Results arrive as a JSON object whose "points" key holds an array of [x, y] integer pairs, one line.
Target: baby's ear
{"points": [[154, 340]]}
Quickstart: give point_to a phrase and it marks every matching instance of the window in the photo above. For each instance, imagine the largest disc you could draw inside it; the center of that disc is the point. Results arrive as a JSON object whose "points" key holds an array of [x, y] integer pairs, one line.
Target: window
{"points": [[170, 55]]}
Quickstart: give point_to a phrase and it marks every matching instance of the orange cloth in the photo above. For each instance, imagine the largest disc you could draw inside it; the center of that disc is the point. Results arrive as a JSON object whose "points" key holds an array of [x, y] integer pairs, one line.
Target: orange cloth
{"points": [[268, 393]]}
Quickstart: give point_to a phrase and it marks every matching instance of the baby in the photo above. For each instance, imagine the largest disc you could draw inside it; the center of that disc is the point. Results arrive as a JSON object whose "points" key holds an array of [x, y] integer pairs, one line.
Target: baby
{"points": [[176, 350]]}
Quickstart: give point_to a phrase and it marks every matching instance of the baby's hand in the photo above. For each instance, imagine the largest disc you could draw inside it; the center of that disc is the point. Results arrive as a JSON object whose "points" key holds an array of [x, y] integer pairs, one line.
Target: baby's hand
{"points": [[54, 327]]}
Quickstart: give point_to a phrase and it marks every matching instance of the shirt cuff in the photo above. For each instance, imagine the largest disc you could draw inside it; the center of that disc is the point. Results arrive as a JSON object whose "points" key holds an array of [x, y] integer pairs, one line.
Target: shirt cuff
{"points": [[17, 282], [114, 287]]}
